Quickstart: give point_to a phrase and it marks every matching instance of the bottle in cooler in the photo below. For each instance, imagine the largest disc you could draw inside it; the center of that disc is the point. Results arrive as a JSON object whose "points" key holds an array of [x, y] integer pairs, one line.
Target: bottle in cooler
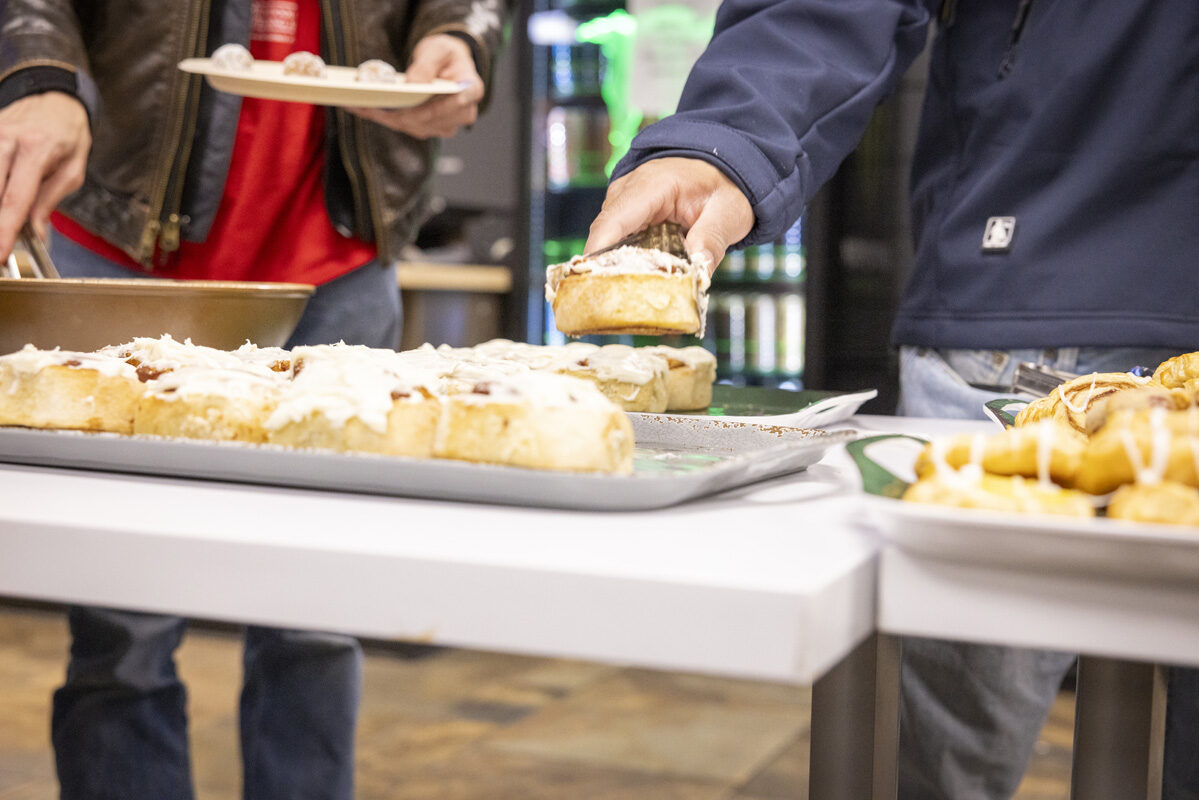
{"points": [[734, 265], [760, 335], [728, 312], [790, 327], [790, 253], [765, 262]]}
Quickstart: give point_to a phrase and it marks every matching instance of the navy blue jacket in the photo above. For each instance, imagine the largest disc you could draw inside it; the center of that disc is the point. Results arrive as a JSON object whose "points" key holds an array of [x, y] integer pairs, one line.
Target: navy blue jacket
{"points": [[1078, 119]]}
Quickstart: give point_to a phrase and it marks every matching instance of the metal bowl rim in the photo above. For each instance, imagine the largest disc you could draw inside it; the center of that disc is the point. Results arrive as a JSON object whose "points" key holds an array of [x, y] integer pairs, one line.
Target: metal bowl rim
{"points": [[157, 286]]}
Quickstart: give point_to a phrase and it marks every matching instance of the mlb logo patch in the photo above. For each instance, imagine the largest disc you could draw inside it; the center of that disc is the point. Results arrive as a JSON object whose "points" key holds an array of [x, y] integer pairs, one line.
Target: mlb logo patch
{"points": [[997, 238]]}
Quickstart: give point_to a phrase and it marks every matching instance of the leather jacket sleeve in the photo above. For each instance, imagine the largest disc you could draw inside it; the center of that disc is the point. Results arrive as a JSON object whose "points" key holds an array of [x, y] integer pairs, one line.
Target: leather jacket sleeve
{"points": [[41, 33], [480, 20]]}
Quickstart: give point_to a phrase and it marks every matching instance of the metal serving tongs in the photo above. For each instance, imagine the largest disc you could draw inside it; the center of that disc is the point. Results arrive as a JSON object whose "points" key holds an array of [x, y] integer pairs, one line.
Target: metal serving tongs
{"points": [[665, 236], [29, 252]]}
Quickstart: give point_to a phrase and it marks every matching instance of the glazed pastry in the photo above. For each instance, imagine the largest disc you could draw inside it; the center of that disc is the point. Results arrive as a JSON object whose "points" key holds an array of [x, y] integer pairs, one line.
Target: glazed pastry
{"points": [[1013, 494], [208, 403], [64, 389], [1166, 503], [1049, 450], [232, 57], [1070, 401], [1142, 447], [376, 71], [633, 379], [356, 400], [691, 373], [1178, 371], [1151, 395], [538, 421], [629, 290], [304, 64]]}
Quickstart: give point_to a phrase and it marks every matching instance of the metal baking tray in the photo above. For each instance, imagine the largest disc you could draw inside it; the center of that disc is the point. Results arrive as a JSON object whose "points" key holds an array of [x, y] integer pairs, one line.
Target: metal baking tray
{"points": [[759, 405], [675, 461]]}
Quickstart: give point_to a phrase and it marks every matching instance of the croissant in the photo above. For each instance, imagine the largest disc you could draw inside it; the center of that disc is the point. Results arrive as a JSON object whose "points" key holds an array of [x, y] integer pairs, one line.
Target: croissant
{"points": [[1048, 449], [998, 493], [1141, 446], [1179, 370], [1168, 503], [1070, 401]]}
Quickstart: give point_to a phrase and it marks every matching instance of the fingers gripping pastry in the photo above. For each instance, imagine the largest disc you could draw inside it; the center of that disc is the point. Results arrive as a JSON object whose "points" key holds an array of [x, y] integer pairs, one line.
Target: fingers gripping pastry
{"points": [[64, 389], [1142, 447], [356, 402], [997, 493], [634, 380], [1049, 450], [1167, 503], [539, 421], [208, 403], [1069, 401], [692, 371], [629, 290], [1178, 371]]}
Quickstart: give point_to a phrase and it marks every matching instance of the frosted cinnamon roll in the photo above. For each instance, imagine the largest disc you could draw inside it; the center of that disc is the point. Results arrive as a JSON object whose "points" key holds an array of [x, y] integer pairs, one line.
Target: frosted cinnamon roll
{"points": [[68, 390]]}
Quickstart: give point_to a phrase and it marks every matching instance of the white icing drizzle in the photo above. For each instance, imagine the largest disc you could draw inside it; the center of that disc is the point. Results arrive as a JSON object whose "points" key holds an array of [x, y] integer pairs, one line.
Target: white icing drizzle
{"points": [[539, 389], [1086, 400], [1045, 435], [1149, 471]]}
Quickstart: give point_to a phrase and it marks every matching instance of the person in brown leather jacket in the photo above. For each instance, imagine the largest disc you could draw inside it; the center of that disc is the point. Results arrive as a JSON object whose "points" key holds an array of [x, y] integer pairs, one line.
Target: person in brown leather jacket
{"points": [[138, 159]]}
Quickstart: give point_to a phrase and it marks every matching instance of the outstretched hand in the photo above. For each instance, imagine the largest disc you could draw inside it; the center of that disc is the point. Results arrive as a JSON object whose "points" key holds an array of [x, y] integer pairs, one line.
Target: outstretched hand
{"points": [[688, 191], [44, 142], [437, 56]]}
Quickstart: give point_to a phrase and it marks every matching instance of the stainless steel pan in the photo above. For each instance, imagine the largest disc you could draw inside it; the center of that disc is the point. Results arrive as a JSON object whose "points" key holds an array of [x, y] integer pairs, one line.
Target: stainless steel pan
{"points": [[38, 307], [89, 313]]}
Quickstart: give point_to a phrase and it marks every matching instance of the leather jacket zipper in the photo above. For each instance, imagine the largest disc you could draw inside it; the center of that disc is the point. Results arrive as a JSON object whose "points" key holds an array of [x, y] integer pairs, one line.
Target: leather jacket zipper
{"points": [[162, 232], [1009, 55], [342, 49]]}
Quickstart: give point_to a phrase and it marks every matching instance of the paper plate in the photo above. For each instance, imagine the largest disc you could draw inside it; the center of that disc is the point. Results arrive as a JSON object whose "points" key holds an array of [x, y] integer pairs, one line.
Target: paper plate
{"points": [[265, 79]]}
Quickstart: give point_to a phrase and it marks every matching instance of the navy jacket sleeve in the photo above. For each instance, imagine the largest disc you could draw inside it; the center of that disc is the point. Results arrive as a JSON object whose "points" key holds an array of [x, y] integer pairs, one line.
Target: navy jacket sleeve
{"points": [[783, 93]]}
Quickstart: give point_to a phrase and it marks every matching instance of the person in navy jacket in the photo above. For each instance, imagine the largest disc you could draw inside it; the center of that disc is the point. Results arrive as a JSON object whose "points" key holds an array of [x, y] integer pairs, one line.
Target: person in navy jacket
{"points": [[1055, 204]]}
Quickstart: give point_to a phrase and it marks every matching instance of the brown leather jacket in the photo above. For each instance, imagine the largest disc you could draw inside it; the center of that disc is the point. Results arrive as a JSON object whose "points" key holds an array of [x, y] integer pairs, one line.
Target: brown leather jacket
{"points": [[143, 134]]}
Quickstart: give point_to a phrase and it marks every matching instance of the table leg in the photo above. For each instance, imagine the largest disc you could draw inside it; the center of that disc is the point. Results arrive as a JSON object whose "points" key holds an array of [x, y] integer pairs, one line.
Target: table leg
{"points": [[855, 725], [1119, 730]]}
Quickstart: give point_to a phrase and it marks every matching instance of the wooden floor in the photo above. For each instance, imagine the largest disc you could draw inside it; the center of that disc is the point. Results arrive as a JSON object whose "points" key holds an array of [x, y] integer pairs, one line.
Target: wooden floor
{"points": [[463, 725]]}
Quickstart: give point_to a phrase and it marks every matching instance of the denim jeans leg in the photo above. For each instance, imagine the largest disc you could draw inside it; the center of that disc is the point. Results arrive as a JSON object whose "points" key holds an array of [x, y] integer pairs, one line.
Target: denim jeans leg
{"points": [[969, 713], [119, 724], [299, 707]]}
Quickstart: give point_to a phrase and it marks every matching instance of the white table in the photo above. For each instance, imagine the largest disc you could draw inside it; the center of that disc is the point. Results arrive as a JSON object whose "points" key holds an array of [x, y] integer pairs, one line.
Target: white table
{"points": [[775, 581]]}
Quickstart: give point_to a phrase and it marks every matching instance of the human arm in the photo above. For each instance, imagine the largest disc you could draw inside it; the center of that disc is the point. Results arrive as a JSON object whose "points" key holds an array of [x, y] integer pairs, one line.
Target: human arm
{"points": [[455, 40], [776, 102], [46, 98]]}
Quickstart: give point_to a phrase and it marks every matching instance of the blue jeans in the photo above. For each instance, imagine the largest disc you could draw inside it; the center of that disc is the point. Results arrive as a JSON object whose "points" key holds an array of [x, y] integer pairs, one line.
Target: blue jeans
{"points": [[970, 714], [119, 724]]}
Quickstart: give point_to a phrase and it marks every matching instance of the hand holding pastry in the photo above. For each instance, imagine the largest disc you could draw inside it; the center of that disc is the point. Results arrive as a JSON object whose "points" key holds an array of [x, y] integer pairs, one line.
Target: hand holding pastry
{"points": [[688, 191], [444, 57]]}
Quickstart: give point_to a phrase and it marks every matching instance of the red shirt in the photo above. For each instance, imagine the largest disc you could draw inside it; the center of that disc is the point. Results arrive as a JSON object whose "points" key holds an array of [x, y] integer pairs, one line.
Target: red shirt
{"points": [[272, 224]]}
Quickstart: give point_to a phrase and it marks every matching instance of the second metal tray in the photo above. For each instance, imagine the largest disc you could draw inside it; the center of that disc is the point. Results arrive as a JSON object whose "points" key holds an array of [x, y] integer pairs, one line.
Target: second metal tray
{"points": [[676, 460]]}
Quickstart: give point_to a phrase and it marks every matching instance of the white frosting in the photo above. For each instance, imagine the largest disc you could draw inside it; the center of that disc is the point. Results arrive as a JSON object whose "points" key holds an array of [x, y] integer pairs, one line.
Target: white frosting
{"points": [[190, 382], [30, 359], [1045, 433], [232, 57], [1149, 471], [165, 353], [538, 389], [693, 356], [1086, 400], [636, 261]]}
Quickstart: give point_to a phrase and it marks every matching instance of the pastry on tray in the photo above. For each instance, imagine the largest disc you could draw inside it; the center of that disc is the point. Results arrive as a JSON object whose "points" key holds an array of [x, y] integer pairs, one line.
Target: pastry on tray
{"points": [[1049, 450], [633, 379], [1166, 503], [629, 290], [1008, 493], [539, 421], [1178, 371], [215, 404], [1070, 401], [1137, 398], [689, 378], [1141, 447], [356, 400], [64, 389]]}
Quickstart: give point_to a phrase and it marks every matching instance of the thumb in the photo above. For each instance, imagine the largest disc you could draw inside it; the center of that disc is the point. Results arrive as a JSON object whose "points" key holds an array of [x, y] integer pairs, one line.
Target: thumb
{"points": [[427, 63], [724, 220]]}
